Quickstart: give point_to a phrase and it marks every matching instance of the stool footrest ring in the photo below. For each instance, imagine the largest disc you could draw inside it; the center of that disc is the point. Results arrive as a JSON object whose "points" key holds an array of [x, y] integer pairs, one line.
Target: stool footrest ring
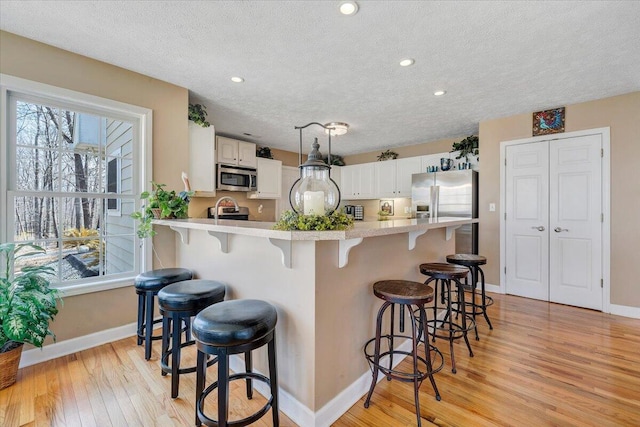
{"points": [[166, 368], [452, 329], [437, 361], [238, 423]]}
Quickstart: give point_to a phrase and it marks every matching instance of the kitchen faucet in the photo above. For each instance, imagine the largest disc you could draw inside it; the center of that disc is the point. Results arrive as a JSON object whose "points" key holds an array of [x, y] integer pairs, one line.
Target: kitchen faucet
{"points": [[215, 213]]}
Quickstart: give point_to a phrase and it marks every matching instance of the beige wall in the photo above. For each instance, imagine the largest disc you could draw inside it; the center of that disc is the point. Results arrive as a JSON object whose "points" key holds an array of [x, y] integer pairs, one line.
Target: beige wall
{"points": [[38, 62], [439, 146], [622, 115]]}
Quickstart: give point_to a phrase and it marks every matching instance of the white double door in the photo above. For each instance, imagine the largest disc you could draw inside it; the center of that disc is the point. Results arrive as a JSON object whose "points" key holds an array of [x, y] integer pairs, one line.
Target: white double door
{"points": [[553, 206]]}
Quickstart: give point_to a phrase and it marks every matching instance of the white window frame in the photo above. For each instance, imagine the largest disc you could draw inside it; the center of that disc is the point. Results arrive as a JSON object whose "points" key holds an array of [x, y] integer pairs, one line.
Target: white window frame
{"points": [[142, 157]]}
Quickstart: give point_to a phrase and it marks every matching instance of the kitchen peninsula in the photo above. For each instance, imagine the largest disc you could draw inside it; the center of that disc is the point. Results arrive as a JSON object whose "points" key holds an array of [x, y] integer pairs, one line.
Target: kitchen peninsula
{"points": [[320, 282]]}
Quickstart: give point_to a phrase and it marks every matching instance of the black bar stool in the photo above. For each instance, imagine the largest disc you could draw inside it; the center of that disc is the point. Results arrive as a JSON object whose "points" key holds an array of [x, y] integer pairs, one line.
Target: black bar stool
{"points": [[233, 327], [473, 262], [443, 274], [147, 286], [178, 302], [412, 295]]}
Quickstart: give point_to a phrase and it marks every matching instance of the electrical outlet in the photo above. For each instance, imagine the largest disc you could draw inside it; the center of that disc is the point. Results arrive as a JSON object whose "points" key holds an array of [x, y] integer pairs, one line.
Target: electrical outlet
{"points": [[492, 207], [407, 209]]}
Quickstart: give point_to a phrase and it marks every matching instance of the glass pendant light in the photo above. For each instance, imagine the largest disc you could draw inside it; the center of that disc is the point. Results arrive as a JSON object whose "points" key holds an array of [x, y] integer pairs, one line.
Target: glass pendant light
{"points": [[314, 193]]}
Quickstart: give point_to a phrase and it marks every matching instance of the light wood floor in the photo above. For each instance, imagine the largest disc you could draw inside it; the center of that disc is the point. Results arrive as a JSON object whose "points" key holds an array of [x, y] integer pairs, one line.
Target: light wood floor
{"points": [[542, 365]]}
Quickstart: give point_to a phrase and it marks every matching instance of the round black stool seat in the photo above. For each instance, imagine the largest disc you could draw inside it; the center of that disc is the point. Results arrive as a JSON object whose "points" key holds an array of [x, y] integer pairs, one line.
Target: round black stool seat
{"points": [[473, 263], [233, 327], [191, 295], [147, 285], [155, 280], [178, 303], [442, 274], [414, 296], [235, 322]]}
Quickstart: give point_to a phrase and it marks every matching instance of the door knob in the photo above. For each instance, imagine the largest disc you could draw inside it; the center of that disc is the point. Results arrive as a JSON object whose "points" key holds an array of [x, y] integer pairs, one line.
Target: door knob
{"points": [[558, 229], [539, 228]]}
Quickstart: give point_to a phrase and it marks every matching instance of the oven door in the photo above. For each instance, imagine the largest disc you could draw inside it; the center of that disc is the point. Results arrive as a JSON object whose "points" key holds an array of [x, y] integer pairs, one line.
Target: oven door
{"points": [[236, 179]]}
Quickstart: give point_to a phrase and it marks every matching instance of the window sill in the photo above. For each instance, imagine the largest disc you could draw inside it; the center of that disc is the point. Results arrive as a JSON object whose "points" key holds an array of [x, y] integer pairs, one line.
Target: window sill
{"points": [[88, 288]]}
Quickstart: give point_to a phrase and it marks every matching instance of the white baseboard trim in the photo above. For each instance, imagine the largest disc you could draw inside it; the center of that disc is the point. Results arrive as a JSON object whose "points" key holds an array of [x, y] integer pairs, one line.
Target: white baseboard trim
{"points": [[334, 409], [626, 311], [63, 348], [493, 288]]}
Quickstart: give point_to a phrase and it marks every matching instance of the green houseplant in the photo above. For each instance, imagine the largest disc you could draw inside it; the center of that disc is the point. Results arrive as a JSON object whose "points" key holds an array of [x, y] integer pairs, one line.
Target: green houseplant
{"points": [[291, 221], [467, 147], [198, 115], [161, 203], [27, 305]]}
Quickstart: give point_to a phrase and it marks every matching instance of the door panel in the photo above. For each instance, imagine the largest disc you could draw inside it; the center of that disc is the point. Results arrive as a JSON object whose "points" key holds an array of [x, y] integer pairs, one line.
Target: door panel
{"points": [[527, 210], [575, 172]]}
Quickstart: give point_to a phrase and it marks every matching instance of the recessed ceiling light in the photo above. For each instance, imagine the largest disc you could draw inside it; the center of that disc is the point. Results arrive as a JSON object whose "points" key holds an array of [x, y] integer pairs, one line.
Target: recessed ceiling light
{"points": [[349, 8], [237, 79], [407, 62], [439, 92]]}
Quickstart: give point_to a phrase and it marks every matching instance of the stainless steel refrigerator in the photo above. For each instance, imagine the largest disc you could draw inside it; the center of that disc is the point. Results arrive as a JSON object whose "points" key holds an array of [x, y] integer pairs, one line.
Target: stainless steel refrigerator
{"points": [[449, 194]]}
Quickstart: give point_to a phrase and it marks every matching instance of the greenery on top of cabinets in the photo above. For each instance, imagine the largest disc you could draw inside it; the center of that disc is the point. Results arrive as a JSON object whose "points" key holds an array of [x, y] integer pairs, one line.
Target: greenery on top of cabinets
{"points": [[387, 155], [467, 147], [198, 115]]}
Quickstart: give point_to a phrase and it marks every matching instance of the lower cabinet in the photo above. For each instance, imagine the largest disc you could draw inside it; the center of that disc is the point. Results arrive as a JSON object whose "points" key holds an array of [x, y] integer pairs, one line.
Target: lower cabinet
{"points": [[269, 179]]}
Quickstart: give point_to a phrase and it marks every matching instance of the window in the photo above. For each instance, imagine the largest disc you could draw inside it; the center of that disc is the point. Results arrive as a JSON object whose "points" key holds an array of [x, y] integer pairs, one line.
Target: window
{"points": [[74, 173]]}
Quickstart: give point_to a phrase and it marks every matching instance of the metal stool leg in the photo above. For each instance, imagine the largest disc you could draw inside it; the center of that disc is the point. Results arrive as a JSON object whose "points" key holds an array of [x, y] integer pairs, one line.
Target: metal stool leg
{"points": [[223, 387], [148, 327], [464, 316], [376, 359], [175, 354], [484, 299], [141, 305], [427, 350], [273, 380], [474, 307], [201, 376], [416, 381], [391, 336], [166, 335], [248, 365]]}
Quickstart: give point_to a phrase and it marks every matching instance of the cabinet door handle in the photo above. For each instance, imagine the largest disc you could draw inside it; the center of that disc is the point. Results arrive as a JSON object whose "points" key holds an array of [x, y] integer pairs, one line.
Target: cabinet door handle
{"points": [[559, 230], [539, 228]]}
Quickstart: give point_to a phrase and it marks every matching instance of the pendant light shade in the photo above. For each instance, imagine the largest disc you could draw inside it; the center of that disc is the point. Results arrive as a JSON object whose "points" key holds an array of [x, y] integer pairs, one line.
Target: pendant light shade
{"points": [[314, 193]]}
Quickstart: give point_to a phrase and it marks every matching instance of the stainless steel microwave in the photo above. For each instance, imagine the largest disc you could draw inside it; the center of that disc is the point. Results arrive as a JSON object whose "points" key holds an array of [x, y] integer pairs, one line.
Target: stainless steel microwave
{"points": [[233, 178]]}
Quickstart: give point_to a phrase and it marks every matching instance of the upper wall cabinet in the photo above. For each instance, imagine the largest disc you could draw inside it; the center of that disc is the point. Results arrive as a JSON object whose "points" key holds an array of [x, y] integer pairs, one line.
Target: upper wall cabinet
{"points": [[358, 181], [202, 159], [269, 179], [236, 153], [393, 177]]}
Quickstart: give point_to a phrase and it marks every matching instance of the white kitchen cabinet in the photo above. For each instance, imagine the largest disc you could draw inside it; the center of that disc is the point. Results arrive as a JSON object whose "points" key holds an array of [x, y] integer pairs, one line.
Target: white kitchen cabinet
{"points": [[358, 181], [404, 169], [386, 179], [393, 177], [202, 160], [236, 153], [269, 179]]}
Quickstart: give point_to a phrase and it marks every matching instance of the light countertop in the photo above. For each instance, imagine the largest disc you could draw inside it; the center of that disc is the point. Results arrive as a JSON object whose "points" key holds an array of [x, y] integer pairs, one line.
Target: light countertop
{"points": [[361, 228]]}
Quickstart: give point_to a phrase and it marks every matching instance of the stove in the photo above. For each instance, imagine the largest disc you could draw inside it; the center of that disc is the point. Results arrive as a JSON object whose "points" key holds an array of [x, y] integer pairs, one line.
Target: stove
{"points": [[229, 212]]}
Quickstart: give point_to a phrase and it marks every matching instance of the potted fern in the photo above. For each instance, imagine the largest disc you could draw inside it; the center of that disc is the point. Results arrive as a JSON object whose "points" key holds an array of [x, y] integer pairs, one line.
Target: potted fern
{"points": [[27, 305], [161, 203]]}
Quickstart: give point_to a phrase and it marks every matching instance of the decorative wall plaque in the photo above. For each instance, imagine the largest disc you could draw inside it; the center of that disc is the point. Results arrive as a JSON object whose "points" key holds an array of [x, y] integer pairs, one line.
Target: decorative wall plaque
{"points": [[548, 121]]}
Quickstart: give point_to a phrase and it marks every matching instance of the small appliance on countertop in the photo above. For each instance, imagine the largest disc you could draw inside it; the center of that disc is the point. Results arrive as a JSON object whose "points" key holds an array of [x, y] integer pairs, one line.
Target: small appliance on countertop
{"points": [[354, 211], [229, 212]]}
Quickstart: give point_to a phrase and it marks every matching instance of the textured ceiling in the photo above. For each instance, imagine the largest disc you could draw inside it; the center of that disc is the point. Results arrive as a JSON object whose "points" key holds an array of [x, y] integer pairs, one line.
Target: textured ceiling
{"points": [[303, 61]]}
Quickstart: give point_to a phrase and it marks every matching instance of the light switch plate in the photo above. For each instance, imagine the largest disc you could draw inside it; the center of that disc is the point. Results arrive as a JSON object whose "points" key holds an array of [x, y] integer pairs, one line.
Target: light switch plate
{"points": [[492, 207]]}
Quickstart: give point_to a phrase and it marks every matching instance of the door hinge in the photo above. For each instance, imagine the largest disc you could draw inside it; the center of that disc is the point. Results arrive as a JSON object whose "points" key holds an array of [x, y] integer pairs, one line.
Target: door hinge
{"points": [[505, 270], [602, 283], [505, 162], [505, 216], [602, 152], [601, 217]]}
